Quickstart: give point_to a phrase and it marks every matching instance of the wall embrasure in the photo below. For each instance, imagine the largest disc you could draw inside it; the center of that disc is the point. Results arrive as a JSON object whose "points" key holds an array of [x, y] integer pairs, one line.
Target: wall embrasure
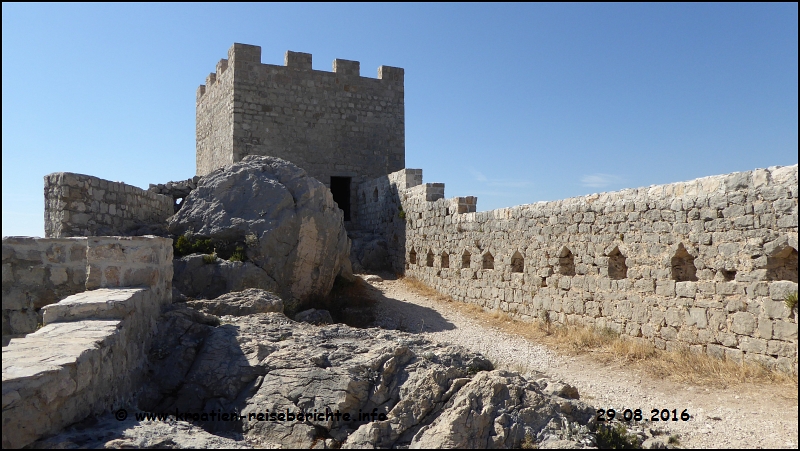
{"points": [[705, 263]]}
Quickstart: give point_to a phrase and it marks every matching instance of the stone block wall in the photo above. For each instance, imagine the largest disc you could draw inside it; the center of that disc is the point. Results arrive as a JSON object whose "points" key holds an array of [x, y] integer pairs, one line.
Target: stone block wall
{"points": [[705, 263], [82, 205], [41, 271], [138, 261], [332, 124], [38, 272]]}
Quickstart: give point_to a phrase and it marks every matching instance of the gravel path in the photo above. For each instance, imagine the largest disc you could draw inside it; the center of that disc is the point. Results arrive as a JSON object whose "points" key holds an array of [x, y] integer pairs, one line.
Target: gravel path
{"points": [[743, 417]]}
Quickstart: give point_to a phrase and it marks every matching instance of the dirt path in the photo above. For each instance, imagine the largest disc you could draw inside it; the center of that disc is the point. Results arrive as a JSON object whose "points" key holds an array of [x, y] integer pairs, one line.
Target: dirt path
{"points": [[743, 417]]}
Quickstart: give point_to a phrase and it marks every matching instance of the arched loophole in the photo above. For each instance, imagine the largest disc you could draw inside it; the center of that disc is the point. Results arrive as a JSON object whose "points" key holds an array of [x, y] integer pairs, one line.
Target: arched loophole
{"points": [[566, 262], [517, 262], [683, 269], [466, 257], [488, 261], [617, 269]]}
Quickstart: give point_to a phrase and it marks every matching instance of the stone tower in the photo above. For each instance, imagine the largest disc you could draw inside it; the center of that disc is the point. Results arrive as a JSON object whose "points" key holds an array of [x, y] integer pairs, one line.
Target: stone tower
{"points": [[342, 128]]}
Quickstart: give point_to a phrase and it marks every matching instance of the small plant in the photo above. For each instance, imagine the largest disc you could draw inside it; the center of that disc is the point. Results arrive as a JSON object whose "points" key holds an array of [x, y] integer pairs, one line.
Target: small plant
{"points": [[238, 255], [616, 437], [210, 259], [791, 301], [529, 442], [187, 244]]}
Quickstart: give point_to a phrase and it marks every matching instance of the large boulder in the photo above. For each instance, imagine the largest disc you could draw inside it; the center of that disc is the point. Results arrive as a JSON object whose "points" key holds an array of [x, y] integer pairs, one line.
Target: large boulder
{"points": [[286, 221]]}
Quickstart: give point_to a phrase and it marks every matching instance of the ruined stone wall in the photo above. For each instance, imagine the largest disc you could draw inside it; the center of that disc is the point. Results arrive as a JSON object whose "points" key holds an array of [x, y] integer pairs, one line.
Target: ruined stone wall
{"points": [[41, 271], [38, 272], [82, 205], [86, 359], [329, 123], [705, 263]]}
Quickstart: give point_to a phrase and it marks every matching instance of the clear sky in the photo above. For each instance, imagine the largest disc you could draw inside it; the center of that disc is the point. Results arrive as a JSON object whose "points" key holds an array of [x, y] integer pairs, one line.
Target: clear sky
{"points": [[511, 103]]}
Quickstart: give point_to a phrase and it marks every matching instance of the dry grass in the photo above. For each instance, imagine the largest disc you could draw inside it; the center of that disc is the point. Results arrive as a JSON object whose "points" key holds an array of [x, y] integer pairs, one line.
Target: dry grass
{"points": [[606, 345]]}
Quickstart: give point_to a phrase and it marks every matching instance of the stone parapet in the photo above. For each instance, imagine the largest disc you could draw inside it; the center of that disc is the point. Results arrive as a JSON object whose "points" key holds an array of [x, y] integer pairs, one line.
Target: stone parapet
{"points": [[82, 205], [37, 272], [41, 271]]}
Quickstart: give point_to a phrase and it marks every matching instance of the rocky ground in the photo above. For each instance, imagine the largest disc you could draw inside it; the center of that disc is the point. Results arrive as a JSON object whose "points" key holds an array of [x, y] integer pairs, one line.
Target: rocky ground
{"points": [[740, 417]]}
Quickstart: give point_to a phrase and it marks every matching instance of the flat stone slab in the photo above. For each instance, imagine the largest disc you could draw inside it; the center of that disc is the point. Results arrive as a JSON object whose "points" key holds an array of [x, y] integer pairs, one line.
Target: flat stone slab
{"points": [[51, 348], [103, 303]]}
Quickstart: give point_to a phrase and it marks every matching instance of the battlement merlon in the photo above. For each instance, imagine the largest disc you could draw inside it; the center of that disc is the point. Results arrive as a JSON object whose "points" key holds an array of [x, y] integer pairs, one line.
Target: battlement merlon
{"points": [[239, 54]]}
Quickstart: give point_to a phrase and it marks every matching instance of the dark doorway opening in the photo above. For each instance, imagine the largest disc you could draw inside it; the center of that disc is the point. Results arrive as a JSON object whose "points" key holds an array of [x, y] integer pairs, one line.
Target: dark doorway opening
{"points": [[340, 188]]}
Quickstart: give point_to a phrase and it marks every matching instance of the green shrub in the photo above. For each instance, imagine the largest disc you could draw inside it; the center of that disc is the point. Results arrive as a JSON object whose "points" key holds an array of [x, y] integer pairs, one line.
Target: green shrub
{"points": [[182, 246], [186, 244], [791, 300], [238, 255]]}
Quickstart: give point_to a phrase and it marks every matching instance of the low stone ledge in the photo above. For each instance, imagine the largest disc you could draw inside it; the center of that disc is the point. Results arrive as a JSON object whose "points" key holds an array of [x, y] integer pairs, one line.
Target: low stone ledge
{"points": [[86, 359], [105, 303]]}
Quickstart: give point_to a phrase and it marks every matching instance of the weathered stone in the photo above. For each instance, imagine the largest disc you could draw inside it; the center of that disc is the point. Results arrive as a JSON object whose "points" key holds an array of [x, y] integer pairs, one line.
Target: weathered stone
{"points": [[239, 303], [314, 316], [743, 323], [197, 279], [287, 220], [783, 330]]}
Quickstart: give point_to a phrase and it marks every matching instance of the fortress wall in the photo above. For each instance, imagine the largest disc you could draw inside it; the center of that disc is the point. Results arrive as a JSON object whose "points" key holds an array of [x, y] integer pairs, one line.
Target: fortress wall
{"points": [[37, 272], [705, 263], [214, 120], [90, 354], [76, 365], [41, 271], [329, 123], [82, 205]]}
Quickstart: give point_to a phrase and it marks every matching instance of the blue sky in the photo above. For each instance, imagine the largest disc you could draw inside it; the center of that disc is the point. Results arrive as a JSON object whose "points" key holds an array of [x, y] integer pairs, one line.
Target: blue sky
{"points": [[511, 103]]}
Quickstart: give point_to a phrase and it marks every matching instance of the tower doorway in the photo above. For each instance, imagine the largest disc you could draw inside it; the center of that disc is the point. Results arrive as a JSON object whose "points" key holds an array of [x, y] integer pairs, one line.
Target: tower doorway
{"points": [[340, 188]]}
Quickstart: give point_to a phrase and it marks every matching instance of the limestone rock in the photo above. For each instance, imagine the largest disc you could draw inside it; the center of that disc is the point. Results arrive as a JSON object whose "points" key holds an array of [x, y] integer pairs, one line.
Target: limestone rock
{"points": [[314, 316], [239, 303], [195, 278], [287, 221], [109, 433]]}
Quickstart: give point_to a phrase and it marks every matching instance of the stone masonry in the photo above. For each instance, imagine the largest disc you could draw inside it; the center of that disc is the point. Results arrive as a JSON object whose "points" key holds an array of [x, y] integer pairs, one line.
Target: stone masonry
{"points": [[41, 271], [90, 354], [332, 124], [38, 272], [82, 205], [704, 264]]}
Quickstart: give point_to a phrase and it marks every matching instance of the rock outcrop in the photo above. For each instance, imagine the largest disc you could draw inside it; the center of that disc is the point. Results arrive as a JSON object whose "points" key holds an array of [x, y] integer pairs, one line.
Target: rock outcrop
{"points": [[396, 389], [286, 221], [239, 303]]}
